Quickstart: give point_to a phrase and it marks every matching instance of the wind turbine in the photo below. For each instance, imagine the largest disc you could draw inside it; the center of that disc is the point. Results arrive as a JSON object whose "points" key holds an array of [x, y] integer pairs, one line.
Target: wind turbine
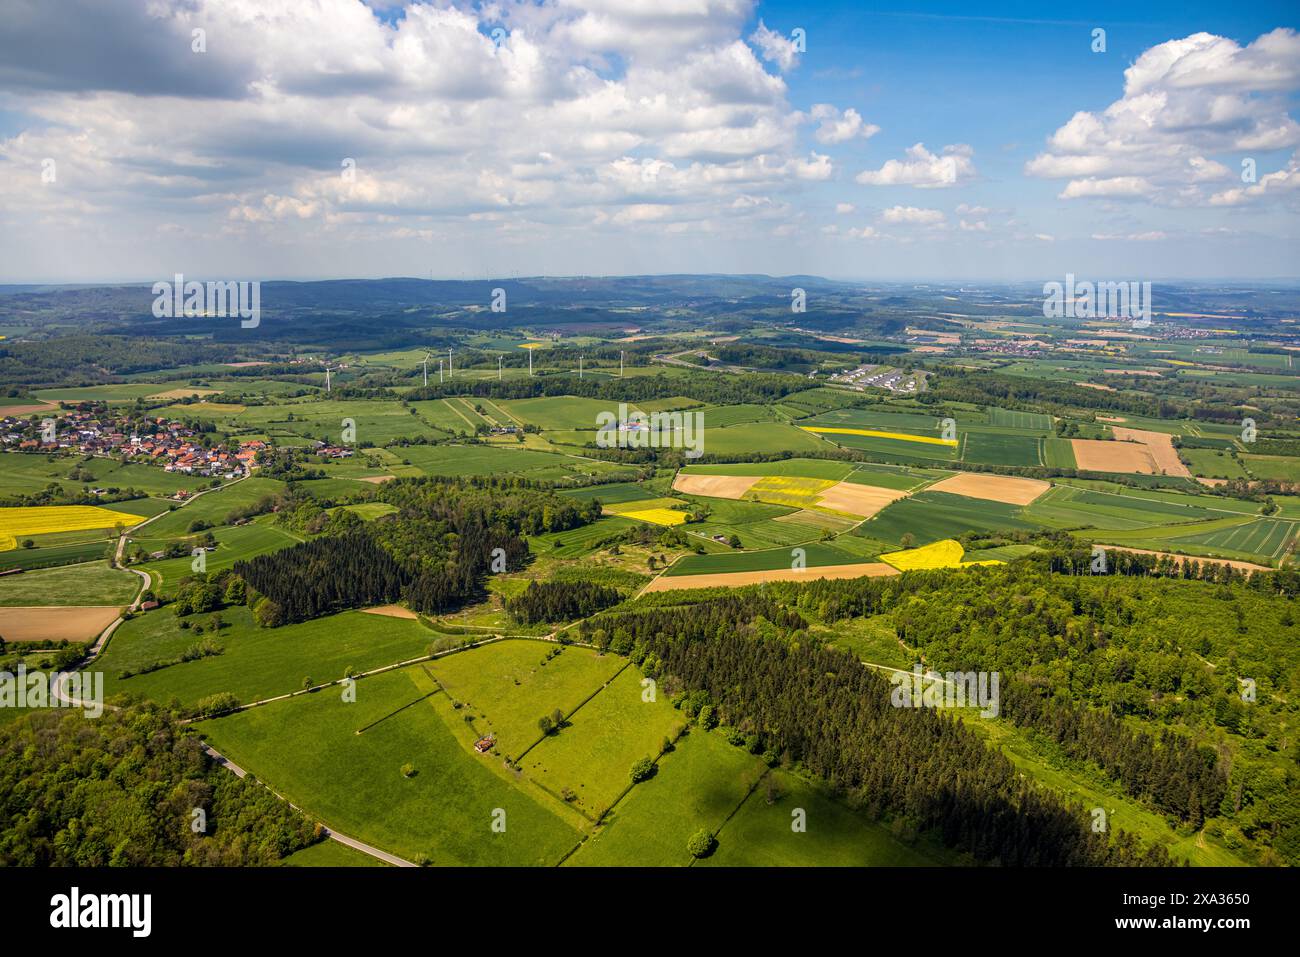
{"points": [[426, 369], [579, 366], [327, 377], [449, 362], [620, 363], [499, 360]]}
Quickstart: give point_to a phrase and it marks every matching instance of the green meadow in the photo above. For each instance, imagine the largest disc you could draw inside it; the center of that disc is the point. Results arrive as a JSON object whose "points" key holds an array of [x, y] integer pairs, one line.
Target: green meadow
{"points": [[314, 751], [93, 583], [255, 663]]}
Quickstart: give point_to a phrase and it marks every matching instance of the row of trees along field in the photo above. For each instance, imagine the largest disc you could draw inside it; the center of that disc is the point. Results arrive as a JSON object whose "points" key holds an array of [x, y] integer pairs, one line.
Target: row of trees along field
{"points": [[434, 552]]}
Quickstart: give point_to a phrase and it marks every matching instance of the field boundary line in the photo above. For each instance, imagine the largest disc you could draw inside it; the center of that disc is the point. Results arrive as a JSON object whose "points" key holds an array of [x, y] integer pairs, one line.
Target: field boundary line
{"points": [[610, 680], [736, 810], [424, 697]]}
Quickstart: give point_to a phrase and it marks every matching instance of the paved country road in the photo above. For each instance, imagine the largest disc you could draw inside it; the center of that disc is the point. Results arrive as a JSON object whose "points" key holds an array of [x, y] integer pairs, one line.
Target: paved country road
{"points": [[107, 633], [351, 842]]}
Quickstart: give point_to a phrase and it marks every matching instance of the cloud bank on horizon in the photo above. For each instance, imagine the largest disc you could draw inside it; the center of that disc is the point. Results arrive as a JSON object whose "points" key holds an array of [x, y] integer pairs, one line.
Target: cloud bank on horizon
{"points": [[284, 138]]}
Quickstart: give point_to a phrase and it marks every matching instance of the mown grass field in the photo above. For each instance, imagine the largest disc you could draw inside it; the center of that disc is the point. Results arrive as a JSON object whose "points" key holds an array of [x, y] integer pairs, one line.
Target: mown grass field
{"points": [[604, 738], [1272, 467], [509, 686], [699, 784], [329, 853], [760, 834], [1212, 463], [93, 583], [308, 749], [561, 412], [211, 507], [257, 662], [376, 421]]}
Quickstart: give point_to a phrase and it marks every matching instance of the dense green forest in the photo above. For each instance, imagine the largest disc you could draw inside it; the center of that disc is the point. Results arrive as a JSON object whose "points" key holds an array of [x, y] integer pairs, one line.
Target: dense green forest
{"points": [[1138, 675], [122, 791], [434, 552], [803, 701]]}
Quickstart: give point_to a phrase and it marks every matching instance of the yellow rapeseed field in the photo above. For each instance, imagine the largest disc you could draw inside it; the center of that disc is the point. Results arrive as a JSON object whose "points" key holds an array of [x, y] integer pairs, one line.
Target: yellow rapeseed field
{"points": [[657, 516], [947, 553], [902, 436], [39, 519]]}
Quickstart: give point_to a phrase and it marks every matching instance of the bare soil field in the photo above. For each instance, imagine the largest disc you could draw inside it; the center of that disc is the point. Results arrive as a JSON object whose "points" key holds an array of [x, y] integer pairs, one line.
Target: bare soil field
{"points": [[1240, 566], [1161, 447], [1097, 386], [740, 579], [391, 611], [1211, 482], [861, 500], [1111, 418], [715, 486], [41, 406], [992, 488], [378, 479], [1096, 455], [58, 622]]}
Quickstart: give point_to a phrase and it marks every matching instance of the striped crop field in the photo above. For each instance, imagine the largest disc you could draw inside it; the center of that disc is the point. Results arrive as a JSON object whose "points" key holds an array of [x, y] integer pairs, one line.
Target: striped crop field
{"points": [[874, 433]]}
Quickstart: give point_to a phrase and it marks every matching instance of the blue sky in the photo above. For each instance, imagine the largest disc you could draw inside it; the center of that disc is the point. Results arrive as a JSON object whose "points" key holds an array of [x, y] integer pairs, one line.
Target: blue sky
{"points": [[939, 140]]}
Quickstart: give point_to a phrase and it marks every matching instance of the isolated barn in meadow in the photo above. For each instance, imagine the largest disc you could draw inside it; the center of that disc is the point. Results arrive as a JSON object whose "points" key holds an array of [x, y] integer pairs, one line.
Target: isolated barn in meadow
{"points": [[484, 745]]}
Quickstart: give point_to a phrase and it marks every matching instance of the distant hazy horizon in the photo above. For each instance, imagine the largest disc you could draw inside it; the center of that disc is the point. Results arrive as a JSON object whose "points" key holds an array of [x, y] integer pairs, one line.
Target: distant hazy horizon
{"points": [[593, 137]]}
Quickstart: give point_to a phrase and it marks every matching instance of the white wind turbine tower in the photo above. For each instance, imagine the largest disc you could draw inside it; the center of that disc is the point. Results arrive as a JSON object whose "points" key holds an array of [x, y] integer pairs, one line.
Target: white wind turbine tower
{"points": [[327, 377], [426, 368]]}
